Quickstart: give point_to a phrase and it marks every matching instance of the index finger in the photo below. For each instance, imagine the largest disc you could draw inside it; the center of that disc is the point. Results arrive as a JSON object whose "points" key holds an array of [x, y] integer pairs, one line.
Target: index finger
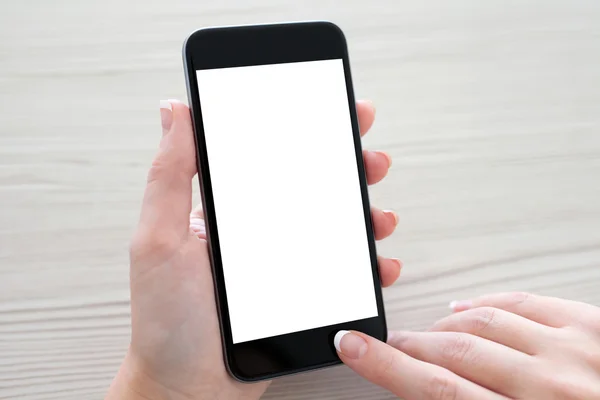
{"points": [[406, 377]]}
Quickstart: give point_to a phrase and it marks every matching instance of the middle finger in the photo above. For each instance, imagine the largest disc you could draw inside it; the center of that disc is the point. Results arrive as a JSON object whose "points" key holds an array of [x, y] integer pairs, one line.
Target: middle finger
{"points": [[384, 222], [481, 361], [499, 326], [377, 164]]}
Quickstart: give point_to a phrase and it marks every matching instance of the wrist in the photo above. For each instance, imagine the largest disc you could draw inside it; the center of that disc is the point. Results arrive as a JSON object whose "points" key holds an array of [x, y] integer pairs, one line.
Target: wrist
{"points": [[132, 383]]}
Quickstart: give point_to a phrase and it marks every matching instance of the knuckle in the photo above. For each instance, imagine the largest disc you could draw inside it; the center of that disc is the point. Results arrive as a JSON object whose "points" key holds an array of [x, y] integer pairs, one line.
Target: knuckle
{"points": [[169, 168], [386, 367], [519, 298], [151, 246], [457, 349], [480, 319], [136, 247], [158, 169], [441, 387], [583, 345], [569, 388], [173, 158], [568, 385], [587, 348]]}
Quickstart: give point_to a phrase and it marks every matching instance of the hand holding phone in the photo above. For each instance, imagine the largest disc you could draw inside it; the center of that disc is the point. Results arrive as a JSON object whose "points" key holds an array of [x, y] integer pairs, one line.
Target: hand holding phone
{"points": [[175, 344]]}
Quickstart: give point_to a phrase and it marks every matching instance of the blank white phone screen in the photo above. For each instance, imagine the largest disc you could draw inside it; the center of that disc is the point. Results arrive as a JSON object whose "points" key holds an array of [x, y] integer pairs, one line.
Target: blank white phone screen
{"points": [[287, 197]]}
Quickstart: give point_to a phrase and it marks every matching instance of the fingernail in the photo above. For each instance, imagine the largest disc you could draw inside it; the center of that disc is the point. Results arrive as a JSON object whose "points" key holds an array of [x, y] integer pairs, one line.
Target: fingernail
{"points": [[460, 305], [372, 105], [391, 214], [397, 262], [386, 155], [166, 115], [349, 344]]}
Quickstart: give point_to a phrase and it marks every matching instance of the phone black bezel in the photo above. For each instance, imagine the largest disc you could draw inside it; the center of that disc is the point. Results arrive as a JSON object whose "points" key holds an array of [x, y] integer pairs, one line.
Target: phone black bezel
{"points": [[238, 46]]}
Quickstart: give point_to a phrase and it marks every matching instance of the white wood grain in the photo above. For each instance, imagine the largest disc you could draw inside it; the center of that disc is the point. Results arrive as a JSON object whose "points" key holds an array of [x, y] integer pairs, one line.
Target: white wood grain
{"points": [[490, 109]]}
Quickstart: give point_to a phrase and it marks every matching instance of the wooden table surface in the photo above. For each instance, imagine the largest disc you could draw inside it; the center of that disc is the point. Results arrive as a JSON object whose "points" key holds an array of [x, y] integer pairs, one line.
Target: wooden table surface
{"points": [[491, 110]]}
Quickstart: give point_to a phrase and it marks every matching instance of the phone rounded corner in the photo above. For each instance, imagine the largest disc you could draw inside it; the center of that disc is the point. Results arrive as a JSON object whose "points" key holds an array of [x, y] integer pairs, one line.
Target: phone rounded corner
{"points": [[234, 372], [187, 46], [336, 29]]}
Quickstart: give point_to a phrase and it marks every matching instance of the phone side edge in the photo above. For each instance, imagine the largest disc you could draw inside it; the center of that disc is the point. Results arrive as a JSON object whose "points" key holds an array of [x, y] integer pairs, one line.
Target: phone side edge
{"points": [[187, 64], [363, 180]]}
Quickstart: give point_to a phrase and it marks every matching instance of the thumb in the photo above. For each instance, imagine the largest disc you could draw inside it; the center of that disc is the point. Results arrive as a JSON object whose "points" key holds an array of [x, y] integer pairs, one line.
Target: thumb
{"points": [[392, 369], [168, 196], [375, 361]]}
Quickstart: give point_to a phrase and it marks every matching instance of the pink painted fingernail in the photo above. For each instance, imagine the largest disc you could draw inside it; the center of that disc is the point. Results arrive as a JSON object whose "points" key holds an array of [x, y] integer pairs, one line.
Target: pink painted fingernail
{"points": [[349, 344], [460, 305], [397, 262], [372, 105], [392, 214], [387, 156]]}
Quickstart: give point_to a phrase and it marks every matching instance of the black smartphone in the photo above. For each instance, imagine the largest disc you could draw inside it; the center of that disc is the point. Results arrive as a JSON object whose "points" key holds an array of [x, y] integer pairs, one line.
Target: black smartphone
{"points": [[284, 193]]}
